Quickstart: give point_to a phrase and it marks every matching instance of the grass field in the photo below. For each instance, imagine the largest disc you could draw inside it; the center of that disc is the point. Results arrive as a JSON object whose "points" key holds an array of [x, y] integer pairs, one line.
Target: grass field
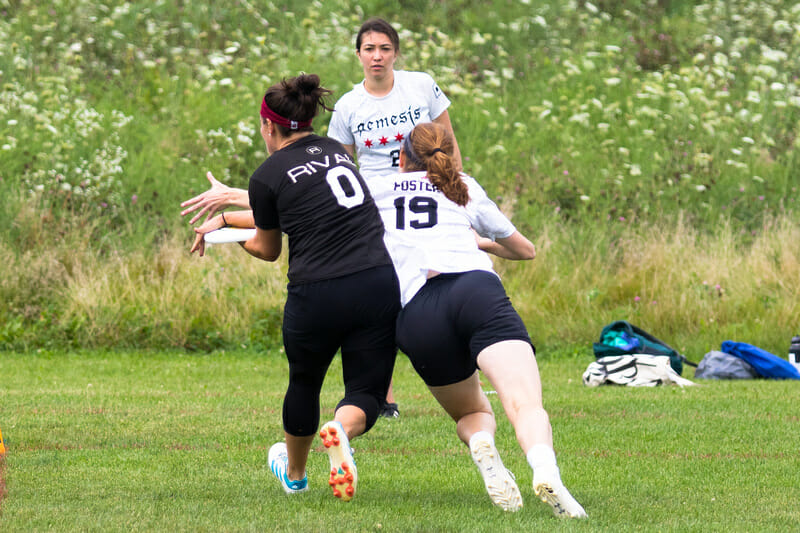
{"points": [[102, 441]]}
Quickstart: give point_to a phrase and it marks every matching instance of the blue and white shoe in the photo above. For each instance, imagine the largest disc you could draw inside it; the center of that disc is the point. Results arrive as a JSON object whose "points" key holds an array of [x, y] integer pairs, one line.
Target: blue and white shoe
{"points": [[279, 464], [344, 477]]}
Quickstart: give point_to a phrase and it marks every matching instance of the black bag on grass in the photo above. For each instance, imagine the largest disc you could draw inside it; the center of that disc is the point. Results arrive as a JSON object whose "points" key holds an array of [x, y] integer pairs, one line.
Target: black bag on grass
{"points": [[623, 338]]}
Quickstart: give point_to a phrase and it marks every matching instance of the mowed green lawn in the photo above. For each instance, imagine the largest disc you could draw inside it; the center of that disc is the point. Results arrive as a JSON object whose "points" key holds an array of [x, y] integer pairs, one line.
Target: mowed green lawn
{"points": [[107, 441]]}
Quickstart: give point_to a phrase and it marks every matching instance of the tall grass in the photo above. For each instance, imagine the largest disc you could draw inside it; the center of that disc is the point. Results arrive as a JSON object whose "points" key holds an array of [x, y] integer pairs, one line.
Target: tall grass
{"points": [[649, 147], [694, 289], [153, 296]]}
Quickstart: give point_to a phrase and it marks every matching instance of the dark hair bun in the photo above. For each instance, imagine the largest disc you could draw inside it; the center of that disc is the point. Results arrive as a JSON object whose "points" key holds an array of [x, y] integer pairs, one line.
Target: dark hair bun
{"points": [[307, 83]]}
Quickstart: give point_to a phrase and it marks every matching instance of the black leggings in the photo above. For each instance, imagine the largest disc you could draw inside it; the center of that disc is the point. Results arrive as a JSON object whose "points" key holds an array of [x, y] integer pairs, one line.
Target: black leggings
{"points": [[356, 313]]}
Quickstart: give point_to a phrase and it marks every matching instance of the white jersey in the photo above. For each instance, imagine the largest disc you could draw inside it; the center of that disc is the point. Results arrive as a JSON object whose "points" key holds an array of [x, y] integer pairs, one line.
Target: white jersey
{"points": [[376, 126], [425, 231]]}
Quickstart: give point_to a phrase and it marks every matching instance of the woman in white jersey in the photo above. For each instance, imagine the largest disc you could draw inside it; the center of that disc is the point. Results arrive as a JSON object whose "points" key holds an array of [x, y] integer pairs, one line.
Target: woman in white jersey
{"points": [[373, 119], [457, 318]]}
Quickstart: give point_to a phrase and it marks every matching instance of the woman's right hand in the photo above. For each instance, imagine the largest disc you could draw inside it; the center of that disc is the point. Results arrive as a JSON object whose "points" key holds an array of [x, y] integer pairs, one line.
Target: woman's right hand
{"points": [[215, 199]]}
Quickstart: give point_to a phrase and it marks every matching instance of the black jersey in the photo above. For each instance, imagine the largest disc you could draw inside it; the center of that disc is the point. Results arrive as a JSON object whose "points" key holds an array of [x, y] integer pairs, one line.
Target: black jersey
{"points": [[312, 191]]}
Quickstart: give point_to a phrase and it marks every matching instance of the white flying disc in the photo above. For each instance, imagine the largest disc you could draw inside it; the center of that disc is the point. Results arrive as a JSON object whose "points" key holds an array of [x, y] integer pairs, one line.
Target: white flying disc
{"points": [[223, 235]]}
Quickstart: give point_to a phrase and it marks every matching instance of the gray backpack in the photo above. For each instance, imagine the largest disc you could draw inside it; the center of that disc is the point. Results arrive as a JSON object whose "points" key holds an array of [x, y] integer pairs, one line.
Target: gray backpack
{"points": [[722, 365]]}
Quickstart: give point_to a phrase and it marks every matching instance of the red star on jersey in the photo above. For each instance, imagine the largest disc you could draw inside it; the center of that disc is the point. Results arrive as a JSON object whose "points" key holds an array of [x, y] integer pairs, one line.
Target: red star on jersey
{"points": [[368, 143], [384, 141], [398, 137]]}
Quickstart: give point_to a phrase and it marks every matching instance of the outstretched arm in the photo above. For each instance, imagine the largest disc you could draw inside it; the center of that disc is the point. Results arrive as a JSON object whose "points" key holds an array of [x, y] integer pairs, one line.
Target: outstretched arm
{"points": [[215, 199], [515, 246]]}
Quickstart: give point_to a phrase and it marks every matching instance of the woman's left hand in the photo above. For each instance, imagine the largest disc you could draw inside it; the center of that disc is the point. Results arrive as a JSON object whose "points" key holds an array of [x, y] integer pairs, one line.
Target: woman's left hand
{"points": [[199, 244]]}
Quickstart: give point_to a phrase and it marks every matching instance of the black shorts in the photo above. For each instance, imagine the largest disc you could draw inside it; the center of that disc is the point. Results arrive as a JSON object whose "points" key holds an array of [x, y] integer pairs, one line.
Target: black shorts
{"points": [[451, 320]]}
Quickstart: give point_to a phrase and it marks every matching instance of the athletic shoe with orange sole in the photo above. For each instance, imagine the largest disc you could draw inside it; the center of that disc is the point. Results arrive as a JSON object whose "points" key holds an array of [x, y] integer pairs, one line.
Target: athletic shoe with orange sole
{"points": [[344, 477]]}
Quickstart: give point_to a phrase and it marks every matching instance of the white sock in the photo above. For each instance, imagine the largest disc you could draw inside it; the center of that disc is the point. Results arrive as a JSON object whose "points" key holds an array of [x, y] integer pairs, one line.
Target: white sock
{"points": [[482, 435], [542, 459]]}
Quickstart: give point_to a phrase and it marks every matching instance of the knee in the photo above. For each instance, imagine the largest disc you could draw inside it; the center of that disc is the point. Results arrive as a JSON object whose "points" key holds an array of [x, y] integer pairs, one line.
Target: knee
{"points": [[368, 403]]}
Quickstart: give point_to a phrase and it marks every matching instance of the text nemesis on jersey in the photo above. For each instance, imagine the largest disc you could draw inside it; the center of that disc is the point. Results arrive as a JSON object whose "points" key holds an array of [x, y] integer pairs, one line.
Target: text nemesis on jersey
{"points": [[377, 126]]}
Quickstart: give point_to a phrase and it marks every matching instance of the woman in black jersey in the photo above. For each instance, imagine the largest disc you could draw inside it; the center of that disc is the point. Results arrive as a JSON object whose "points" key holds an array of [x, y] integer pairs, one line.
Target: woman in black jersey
{"points": [[342, 293]]}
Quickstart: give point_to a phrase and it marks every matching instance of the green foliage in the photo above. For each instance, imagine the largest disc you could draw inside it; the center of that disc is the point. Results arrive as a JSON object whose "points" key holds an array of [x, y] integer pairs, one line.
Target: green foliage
{"points": [[589, 121]]}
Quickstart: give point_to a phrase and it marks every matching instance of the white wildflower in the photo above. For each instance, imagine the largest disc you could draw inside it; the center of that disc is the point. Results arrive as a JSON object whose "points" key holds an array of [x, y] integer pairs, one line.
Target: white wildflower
{"points": [[781, 26], [477, 38], [753, 97], [767, 71], [580, 118]]}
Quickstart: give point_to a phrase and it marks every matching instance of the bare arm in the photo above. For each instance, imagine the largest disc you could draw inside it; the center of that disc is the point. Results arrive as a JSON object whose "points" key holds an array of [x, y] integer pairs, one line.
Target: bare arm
{"points": [[266, 244], [215, 199], [350, 149], [516, 246], [444, 120]]}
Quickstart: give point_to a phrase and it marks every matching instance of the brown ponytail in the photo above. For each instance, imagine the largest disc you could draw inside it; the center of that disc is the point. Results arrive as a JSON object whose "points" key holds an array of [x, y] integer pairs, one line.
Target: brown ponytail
{"points": [[430, 147]]}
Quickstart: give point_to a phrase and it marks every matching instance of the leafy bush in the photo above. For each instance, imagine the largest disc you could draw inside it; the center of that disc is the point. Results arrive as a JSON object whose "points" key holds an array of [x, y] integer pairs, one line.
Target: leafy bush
{"points": [[594, 124]]}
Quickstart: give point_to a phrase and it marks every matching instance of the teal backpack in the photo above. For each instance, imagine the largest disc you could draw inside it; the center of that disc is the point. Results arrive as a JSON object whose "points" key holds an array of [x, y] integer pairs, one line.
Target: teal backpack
{"points": [[623, 338]]}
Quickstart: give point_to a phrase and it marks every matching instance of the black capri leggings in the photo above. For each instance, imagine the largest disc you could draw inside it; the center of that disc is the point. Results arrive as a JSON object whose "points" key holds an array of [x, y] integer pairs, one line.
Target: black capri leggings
{"points": [[356, 313]]}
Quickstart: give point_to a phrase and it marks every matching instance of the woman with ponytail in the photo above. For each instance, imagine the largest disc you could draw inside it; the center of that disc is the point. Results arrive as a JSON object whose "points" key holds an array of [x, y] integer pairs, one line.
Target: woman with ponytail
{"points": [[456, 316], [342, 292]]}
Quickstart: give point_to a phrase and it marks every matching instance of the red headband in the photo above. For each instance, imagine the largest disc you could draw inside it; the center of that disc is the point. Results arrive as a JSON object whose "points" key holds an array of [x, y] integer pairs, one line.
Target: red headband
{"points": [[266, 112]]}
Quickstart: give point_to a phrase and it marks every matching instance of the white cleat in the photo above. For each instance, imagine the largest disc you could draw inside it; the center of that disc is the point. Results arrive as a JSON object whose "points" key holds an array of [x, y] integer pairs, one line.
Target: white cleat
{"points": [[556, 495], [344, 476], [499, 481]]}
